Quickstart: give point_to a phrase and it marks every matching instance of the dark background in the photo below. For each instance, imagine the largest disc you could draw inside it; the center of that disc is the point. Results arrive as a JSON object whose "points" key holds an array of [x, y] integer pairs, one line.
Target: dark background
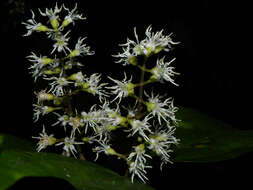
{"points": [[214, 59]]}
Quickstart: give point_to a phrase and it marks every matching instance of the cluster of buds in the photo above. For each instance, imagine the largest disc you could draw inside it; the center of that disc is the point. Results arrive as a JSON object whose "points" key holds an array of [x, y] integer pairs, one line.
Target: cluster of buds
{"points": [[150, 122]]}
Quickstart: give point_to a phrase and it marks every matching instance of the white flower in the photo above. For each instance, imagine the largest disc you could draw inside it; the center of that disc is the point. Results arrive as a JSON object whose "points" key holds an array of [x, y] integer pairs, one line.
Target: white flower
{"points": [[138, 161], [90, 119], [41, 110], [63, 120], [161, 143], [43, 96], [81, 49], [127, 57], [38, 63], [140, 127], [52, 15], [155, 42], [69, 64], [32, 26], [69, 146], [163, 71], [93, 118], [162, 109], [61, 43], [72, 16], [122, 89], [132, 110], [103, 130], [58, 84], [44, 140], [78, 77], [90, 139], [152, 44], [75, 122], [129, 51], [94, 86], [103, 148]]}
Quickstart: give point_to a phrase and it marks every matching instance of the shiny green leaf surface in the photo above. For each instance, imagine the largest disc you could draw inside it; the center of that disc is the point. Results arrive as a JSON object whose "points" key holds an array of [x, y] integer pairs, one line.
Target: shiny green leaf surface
{"points": [[18, 163], [204, 139]]}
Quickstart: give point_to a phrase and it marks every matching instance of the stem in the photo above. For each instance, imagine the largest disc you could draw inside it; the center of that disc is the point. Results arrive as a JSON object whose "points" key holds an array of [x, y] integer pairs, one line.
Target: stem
{"points": [[144, 83], [143, 68], [81, 156]]}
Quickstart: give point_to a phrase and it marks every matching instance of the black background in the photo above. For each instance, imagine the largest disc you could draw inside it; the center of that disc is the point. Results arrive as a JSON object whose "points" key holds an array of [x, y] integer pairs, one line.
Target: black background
{"points": [[214, 59]]}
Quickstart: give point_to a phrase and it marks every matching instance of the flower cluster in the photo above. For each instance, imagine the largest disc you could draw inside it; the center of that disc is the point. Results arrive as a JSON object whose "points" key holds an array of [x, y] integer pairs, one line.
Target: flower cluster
{"points": [[148, 124], [56, 71], [151, 120]]}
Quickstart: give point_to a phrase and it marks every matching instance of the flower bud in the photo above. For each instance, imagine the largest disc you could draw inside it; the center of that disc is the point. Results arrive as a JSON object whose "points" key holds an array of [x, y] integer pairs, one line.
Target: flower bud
{"points": [[42, 28], [65, 23], [133, 60], [150, 106], [54, 22], [111, 151], [86, 85], [51, 140], [148, 51], [57, 101], [130, 88], [42, 96], [138, 49], [158, 49], [46, 60], [112, 127], [76, 76], [153, 78], [74, 53], [85, 139], [56, 70]]}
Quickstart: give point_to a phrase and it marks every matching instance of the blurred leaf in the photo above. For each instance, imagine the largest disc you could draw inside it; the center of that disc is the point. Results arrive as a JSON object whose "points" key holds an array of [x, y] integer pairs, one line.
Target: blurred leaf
{"points": [[12, 142], [16, 164], [204, 139]]}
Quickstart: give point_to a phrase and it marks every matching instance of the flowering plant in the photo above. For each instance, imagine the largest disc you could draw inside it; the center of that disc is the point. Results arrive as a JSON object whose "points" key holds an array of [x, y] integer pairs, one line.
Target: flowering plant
{"points": [[148, 121]]}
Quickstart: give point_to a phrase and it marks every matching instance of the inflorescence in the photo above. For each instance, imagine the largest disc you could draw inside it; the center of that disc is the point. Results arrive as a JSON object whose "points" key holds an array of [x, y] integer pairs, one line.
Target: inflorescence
{"points": [[150, 122]]}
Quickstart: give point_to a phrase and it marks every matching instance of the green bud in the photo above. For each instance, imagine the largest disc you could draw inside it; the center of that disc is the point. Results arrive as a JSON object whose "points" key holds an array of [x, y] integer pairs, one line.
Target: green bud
{"points": [[89, 91], [112, 127], [65, 23], [74, 53], [130, 88], [54, 22], [139, 139], [149, 51], [138, 49], [141, 146], [57, 101], [72, 77], [161, 138], [150, 106], [51, 141], [51, 109], [111, 151], [49, 96], [133, 60], [57, 70], [85, 139], [123, 121], [46, 60], [158, 49], [153, 78], [42, 28]]}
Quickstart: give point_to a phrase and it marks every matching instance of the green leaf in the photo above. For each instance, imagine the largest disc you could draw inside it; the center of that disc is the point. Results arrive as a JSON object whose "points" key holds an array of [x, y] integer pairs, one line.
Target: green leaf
{"points": [[204, 139], [18, 163], [12, 142]]}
